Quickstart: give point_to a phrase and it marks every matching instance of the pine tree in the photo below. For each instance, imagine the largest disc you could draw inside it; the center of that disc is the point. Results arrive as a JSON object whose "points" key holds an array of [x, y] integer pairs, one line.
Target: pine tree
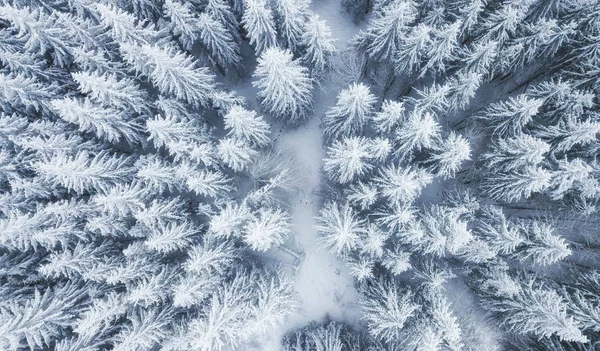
{"points": [[124, 27], [219, 43], [236, 153], [515, 153], [246, 125], [108, 89], [543, 247], [107, 123], [501, 24], [285, 86], [400, 184], [515, 185], [182, 22], [84, 172], [223, 12], [419, 131], [411, 51], [348, 159], [340, 228], [37, 321], [448, 157], [20, 92], [508, 118], [267, 229], [443, 48], [569, 176], [206, 182], [292, 18], [148, 328], [230, 220], [317, 45], [480, 57], [171, 71], [388, 27], [353, 108], [391, 115], [462, 89], [432, 98], [40, 32], [362, 195], [533, 308], [387, 309], [169, 237], [276, 300], [258, 23], [564, 136]]}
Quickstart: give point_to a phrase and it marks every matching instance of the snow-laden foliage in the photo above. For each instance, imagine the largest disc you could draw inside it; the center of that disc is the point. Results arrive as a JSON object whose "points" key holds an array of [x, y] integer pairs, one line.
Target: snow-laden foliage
{"points": [[285, 85], [148, 199], [130, 218], [467, 139]]}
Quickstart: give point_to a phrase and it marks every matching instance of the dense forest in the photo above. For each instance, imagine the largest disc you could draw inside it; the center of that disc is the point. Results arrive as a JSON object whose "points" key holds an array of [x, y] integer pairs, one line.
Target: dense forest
{"points": [[148, 200]]}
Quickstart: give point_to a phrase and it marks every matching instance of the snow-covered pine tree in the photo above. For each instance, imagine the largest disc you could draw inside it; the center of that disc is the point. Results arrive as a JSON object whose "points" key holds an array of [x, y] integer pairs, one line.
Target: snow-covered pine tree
{"points": [[317, 45], [412, 49], [171, 71], [518, 152], [516, 184], [107, 123], [508, 118], [267, 229], [388, 27], [259, 25], [348, 159], [419, 131], [246, 125], [292, 17], [387, 308], [531, 307], [285, 85], [449, 155], [353, 108], [219, 43], [340, 228], [85, 172]]}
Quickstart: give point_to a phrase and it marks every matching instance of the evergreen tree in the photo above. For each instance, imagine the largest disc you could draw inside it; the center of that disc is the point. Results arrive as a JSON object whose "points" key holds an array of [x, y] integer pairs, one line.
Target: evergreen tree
{"points": [[269, 228], [182, 24], [107, 123], [533, 308], [518, 184], [450, 155], [402, 185], [411, 51], [387, 309], [219, 43], [508, 118], [340, 228], [516, 153], [387, 28], [317, 45], [84, 172], [285, 86], [171, 71], [293, 16], [419, 131], [246, 125], [348, 159], [258, 23], [353, 108]]}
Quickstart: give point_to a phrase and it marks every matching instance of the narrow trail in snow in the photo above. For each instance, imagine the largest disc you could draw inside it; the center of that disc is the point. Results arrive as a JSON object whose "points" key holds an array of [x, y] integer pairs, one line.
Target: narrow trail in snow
{"points": [[323, 283]]}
